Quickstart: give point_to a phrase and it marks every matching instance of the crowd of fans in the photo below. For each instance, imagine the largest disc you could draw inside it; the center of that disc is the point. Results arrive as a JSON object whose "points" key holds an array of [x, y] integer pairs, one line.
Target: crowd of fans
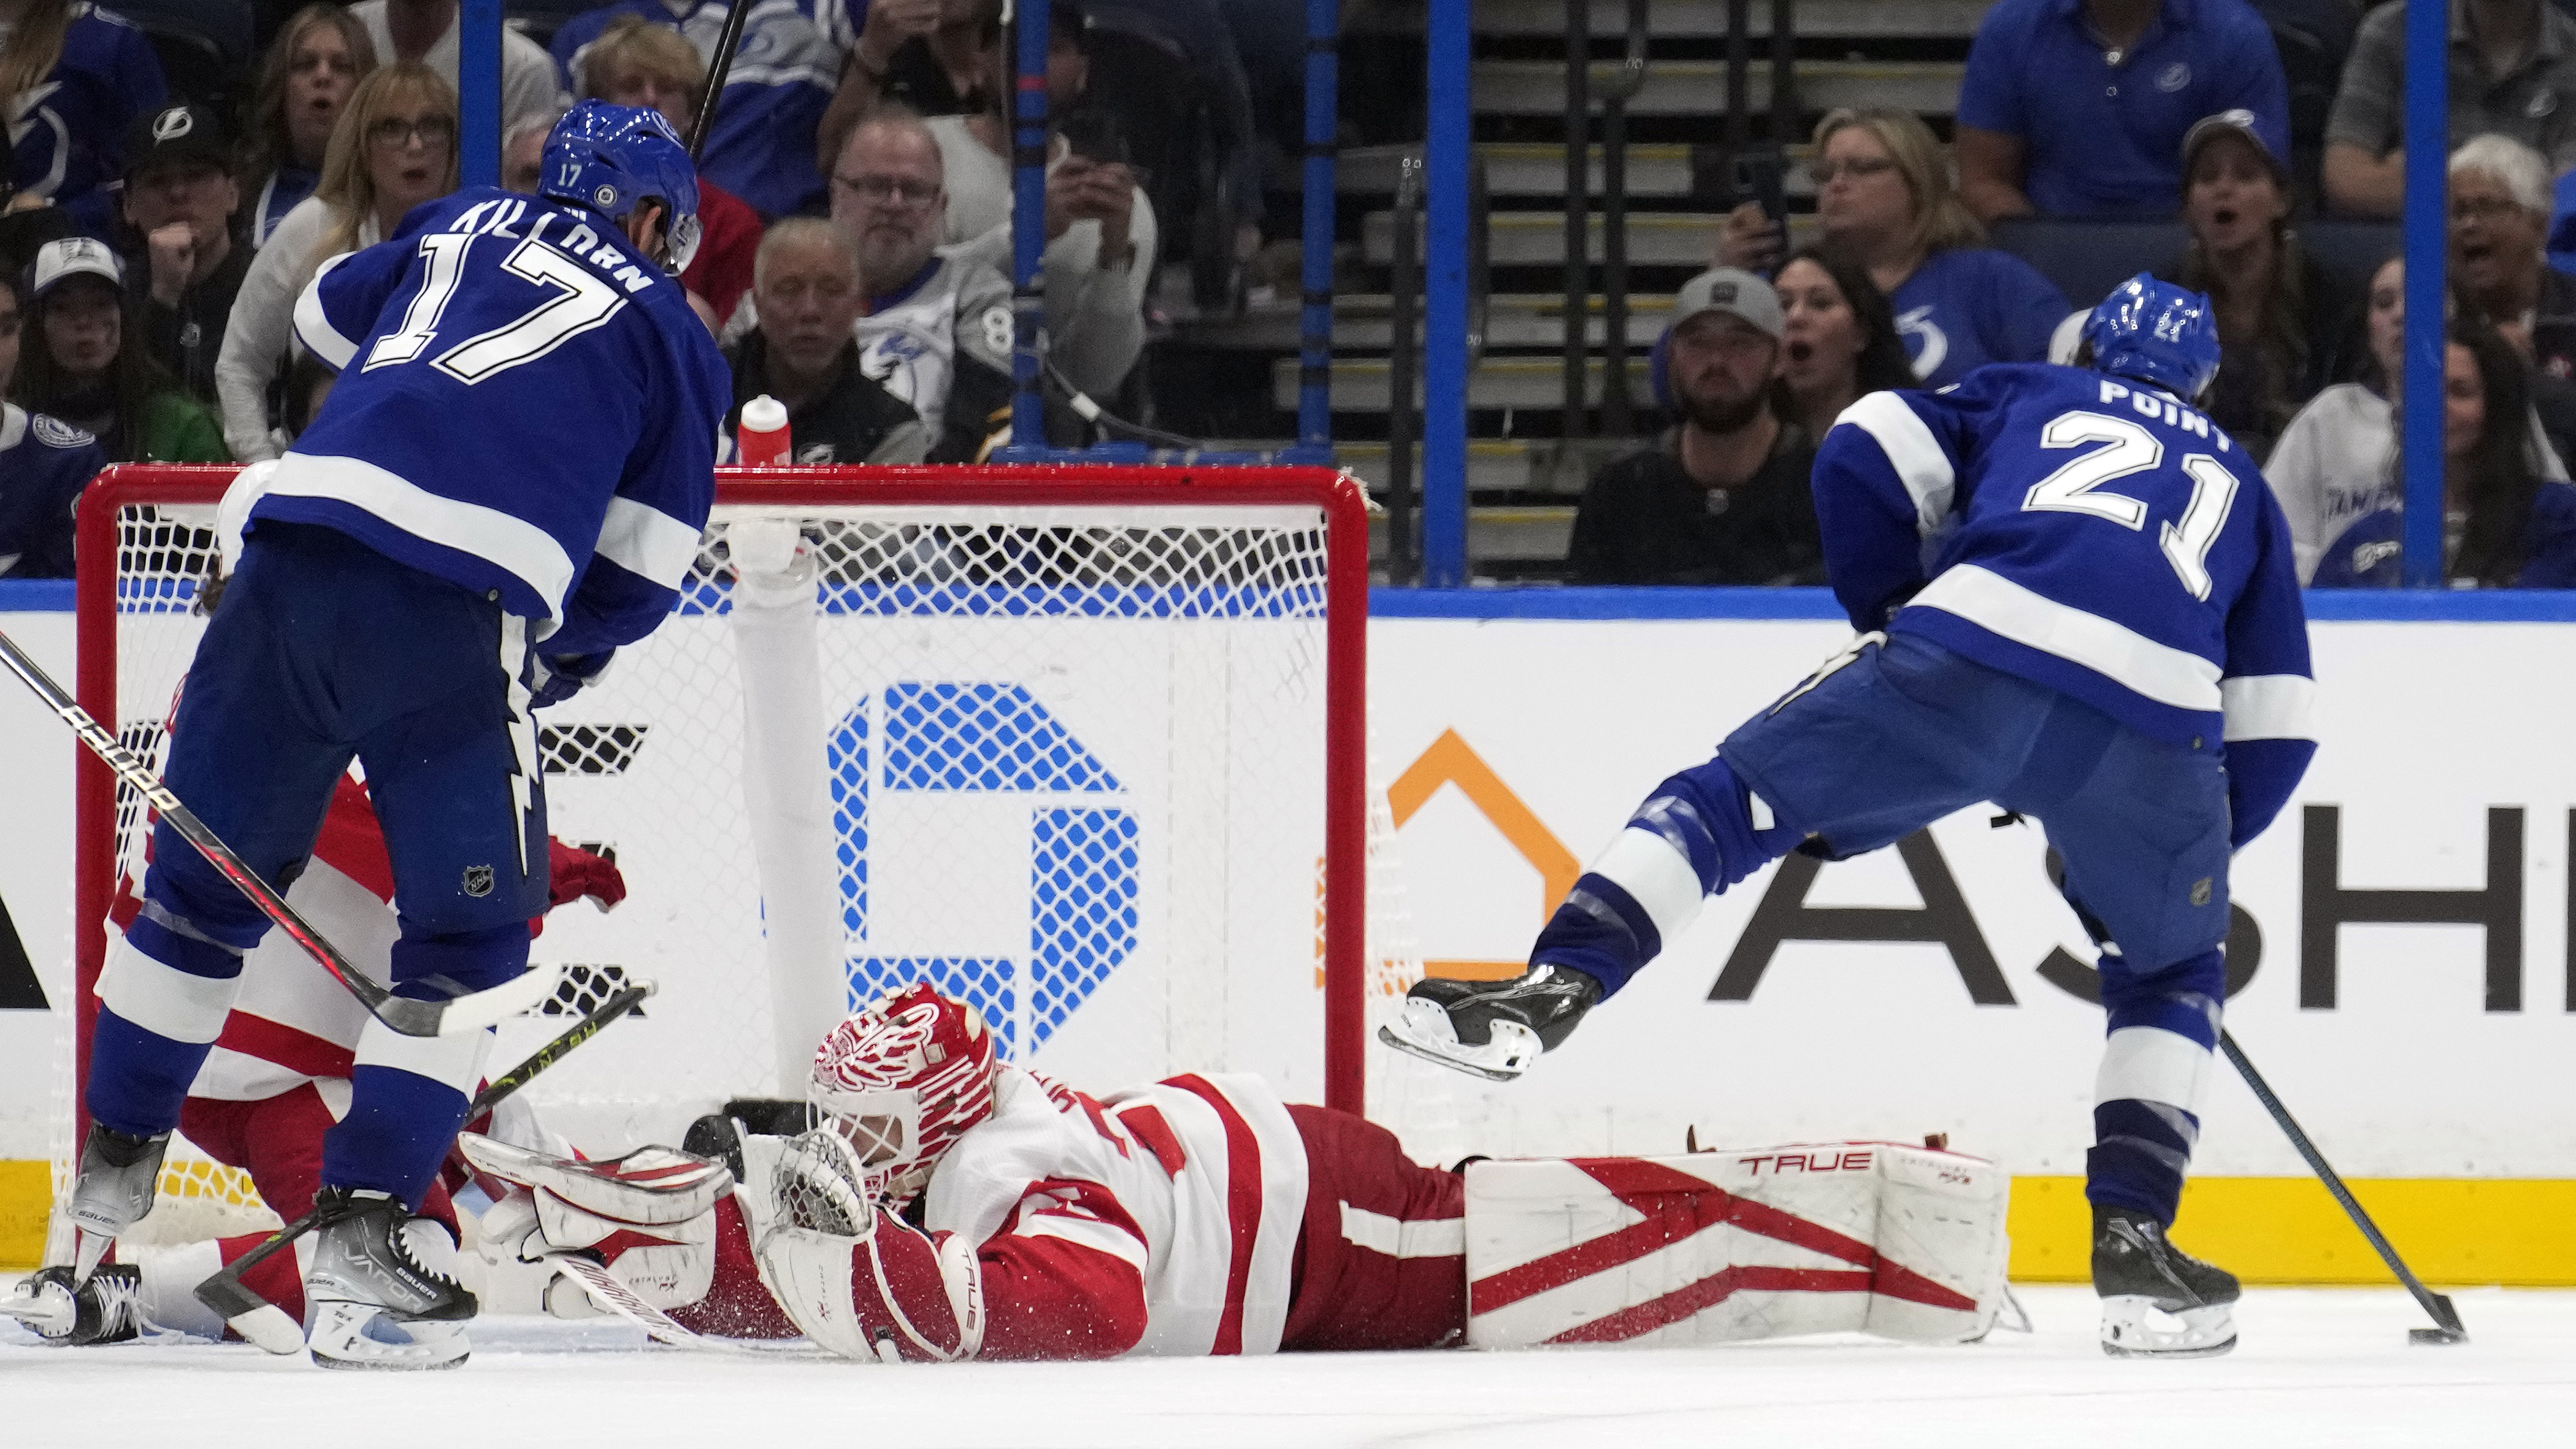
{"points": [[855, 202], [2156, 109]]}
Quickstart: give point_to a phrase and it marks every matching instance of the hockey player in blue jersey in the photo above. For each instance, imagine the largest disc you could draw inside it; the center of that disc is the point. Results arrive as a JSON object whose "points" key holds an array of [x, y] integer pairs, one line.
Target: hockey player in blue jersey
{"points": [[2107, 637], [507, 483]]}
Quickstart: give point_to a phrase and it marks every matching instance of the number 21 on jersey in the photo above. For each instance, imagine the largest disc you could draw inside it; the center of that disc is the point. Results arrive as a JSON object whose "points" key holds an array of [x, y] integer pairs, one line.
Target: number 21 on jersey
{"points": [[2126, 450], [581, 301]]}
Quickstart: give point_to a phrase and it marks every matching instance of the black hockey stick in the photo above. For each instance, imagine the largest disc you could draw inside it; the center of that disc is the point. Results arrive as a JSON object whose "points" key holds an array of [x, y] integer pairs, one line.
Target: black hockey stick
{"points": [[2438, 1305], [727, 41], [468, 1013], [264, 1323]]}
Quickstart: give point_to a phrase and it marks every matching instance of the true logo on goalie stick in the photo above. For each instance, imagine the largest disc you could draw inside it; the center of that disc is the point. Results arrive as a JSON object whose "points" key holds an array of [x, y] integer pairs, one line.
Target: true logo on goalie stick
{"points": [[478, 881]]}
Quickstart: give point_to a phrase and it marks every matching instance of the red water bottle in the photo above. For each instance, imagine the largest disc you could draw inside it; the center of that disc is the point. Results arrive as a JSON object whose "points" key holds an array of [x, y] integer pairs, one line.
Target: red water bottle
{"points": [[762, 442]]}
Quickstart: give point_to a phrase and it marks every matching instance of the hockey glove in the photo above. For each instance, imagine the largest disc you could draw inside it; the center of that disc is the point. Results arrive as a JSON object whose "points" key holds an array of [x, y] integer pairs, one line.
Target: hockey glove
{"points": [[572, 873], [854, 1277], [560, 676], [648, 1217]]}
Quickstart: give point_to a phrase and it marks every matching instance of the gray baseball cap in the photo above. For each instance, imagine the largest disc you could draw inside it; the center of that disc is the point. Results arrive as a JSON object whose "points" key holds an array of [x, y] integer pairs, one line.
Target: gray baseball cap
{"points": [[1732, 291]]}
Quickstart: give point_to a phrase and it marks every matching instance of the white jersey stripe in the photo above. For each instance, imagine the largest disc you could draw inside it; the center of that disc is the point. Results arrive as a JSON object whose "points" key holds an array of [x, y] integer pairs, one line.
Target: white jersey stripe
{"points": [[1085, 1232], [514, 543], [2113, 650], [1912, 451], [313, 325], [1397, 1238], [2268, 706], [163, 999], [647, 542]]}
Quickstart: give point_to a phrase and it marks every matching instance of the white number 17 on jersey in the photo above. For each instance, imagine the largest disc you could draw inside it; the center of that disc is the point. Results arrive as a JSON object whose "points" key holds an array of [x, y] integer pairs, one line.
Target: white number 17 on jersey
{"points": [[2129, 449], [581, 301]]}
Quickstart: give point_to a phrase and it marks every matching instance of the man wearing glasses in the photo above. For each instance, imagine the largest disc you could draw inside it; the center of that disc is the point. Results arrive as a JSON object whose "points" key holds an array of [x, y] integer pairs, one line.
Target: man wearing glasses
{"points": [[936, 330]]}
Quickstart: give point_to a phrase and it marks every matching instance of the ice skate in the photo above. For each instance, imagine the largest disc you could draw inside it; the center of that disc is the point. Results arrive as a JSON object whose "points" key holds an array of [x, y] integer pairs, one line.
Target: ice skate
{"points": [[100, 1309], [380, 1293], [1491, 1029], [2157, 1300], [118, 1177]]}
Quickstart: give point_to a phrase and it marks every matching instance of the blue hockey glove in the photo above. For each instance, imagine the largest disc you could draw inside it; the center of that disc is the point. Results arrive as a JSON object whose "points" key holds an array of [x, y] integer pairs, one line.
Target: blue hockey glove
{"points": [[560, 676]]}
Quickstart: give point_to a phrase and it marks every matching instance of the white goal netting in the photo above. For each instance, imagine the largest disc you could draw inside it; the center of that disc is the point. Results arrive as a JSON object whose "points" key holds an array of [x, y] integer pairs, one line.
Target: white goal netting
{"points": [[1067, 760]]}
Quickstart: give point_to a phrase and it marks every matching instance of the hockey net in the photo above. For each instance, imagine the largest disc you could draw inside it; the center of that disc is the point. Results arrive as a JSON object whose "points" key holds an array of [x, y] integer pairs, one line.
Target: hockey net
{"points": [[1086, 747]]}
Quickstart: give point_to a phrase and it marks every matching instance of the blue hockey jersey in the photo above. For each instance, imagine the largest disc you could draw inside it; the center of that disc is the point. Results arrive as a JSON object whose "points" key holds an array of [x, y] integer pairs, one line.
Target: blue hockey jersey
{"points": [[782, 79], [522, 407], [67, 133], [1968, 306], [44, 465], [2088, 534]]}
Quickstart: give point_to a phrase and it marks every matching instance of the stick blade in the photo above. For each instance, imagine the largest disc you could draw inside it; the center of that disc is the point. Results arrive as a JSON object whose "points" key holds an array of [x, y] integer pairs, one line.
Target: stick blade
{"points": [[474, 1011], [253, 1317]]}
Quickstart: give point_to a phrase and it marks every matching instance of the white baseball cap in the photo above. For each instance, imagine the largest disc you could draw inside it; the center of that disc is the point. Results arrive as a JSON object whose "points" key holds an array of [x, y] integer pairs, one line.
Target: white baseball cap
{"points": [[74, 256]]}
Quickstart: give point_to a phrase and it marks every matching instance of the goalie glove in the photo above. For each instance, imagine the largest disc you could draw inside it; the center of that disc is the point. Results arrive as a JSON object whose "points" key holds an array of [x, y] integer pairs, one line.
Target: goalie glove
{"points": [[648, 1217], [853, 1276]]}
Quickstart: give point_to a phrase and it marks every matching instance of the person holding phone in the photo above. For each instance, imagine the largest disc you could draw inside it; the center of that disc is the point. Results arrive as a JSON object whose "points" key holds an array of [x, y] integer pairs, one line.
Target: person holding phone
{"points": [[1884, 199]]}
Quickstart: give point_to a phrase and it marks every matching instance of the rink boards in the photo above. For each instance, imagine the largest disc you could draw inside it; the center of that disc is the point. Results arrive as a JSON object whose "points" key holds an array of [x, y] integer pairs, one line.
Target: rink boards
{"points": [[1936, 988]]}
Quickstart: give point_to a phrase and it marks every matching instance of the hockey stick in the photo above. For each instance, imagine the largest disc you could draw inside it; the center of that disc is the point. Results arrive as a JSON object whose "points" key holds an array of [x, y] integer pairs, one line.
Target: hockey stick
{"points": [[264, 1323], [2437, 1305], [604, 1289], [727, 40], [468, 1013]]}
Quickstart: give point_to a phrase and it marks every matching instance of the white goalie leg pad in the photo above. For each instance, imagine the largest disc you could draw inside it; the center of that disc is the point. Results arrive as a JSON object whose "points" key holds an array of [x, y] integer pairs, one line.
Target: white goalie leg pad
{"points": [[1735, 1244], [648, 1185]]}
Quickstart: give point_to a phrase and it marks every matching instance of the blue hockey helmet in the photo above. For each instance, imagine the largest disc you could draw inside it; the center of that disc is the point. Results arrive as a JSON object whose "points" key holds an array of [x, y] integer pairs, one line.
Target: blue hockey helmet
{"points": [[613, 158], [2155, 332]]}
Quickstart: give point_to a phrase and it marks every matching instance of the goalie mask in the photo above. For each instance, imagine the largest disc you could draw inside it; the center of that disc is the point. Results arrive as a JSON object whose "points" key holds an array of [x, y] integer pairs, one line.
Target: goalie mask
{"points": [[902, 1080]]}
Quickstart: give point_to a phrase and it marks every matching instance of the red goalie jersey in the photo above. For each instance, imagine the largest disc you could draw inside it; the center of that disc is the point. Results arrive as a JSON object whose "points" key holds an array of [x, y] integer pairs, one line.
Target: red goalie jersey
{"points": [[1198, 1215]]}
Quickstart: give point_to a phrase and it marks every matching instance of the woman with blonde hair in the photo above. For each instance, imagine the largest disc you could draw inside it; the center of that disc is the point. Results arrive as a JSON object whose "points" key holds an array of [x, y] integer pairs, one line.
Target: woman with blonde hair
{"points": [[312, 69], [393, 149], [72, 80], [1884, 199]]}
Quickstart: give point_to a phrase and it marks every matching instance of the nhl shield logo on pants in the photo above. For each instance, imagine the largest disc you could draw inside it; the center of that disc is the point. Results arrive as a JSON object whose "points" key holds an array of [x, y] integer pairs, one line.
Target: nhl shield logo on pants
{"points": [[478, 881]]}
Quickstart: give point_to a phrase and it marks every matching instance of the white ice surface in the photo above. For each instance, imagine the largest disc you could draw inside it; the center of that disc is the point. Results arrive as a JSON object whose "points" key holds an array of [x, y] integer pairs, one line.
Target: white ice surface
{"points": [[2317, 1367]]}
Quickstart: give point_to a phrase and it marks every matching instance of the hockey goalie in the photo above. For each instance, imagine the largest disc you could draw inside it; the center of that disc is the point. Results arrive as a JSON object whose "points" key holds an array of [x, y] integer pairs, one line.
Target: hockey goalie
{"points": [[949, 1206]]}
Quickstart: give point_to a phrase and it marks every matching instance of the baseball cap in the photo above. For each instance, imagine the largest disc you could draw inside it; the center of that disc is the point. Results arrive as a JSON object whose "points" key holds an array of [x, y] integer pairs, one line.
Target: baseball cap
{"points": [[2238, 122], [73, 256], [1735, 292], [180, 132]]}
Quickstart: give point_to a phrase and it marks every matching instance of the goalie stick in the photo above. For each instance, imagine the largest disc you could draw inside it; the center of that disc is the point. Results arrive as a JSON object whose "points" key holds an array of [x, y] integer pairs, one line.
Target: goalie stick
{"points": [[615, 1297], [2448, 1329], [469, 1013], [266, 1324]]}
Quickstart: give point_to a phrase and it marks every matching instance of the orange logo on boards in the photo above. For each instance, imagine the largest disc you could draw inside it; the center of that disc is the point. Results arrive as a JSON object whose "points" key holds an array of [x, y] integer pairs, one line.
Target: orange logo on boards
{"points": [[1449, 761]]}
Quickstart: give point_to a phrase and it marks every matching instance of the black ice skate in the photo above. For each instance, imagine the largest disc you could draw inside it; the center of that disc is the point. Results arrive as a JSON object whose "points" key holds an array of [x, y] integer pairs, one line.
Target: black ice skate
{"points": [[1491, 1029], [100, 1310], [2157, 1300], [379, 1292], [114, 1189]]}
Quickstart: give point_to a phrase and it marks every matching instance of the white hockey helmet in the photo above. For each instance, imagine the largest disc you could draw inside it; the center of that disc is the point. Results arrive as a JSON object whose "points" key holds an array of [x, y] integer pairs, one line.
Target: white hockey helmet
{"points": [[902, 1080]]}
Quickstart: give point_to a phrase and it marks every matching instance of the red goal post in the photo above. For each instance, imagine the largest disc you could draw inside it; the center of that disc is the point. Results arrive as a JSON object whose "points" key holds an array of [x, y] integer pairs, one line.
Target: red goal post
{"points": [[1258, 574]]}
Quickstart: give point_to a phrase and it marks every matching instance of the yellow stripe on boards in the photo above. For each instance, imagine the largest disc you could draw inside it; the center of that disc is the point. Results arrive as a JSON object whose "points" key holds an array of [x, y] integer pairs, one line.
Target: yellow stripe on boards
{"points": [[26, 1199], [2509, 1231]]}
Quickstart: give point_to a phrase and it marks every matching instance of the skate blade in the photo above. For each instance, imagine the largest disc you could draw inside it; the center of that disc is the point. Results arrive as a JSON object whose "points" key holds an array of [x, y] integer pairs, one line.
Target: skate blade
{"points": [[1423, 1030], [354, 1336], [49, 1310], [2134, 1327]]}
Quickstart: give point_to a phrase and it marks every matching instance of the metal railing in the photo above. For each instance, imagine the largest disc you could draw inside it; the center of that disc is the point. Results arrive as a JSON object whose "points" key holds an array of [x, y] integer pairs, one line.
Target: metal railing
{"points": [[1623, 86], [1404, 412]]}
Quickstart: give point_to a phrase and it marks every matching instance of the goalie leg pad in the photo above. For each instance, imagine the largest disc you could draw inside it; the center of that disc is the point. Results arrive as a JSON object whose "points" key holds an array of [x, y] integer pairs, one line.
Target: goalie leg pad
{"points": [[855, 1278]]}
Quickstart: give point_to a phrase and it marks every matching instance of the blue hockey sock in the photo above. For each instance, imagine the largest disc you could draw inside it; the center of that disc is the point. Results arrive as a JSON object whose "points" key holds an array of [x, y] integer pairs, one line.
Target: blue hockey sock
{"points": [[2155, 1064], [399, 1127], [1698, 833], [163, 996]]}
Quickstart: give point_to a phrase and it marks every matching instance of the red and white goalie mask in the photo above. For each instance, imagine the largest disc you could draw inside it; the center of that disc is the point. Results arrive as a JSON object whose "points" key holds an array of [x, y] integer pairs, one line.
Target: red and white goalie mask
{"points": [[902, 1080]]}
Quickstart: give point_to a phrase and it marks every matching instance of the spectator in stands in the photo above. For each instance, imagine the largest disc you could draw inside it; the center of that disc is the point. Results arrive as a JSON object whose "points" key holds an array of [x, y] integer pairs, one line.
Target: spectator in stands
{"points": [[933, 57], [1838, 338], [180, 200], [2504, 525], [936, 330], [44, 465], [805, 353], [2513, 73], [2281, 312], [1722, 498], [1101, 231], [426, 31], [2078, 107], [1884, 199], [2336, 464], [394, 148], [87, 368], [315, 63], [632, 63], [72, 78], [2499, 218], [762, 149]]}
